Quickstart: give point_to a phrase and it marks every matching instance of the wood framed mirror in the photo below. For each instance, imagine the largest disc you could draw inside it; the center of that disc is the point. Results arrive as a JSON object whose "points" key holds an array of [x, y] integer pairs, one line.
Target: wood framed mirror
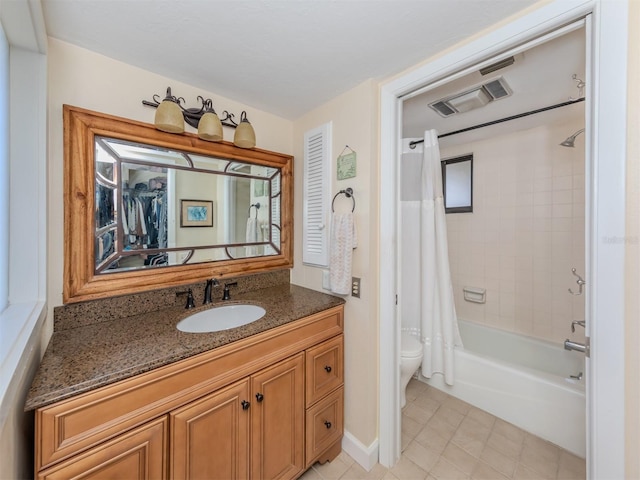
{"points": [[133, 195]]}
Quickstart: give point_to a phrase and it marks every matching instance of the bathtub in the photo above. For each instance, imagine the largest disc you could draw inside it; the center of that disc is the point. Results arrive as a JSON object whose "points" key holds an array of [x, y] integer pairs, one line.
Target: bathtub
{"points": [[524, 381]]}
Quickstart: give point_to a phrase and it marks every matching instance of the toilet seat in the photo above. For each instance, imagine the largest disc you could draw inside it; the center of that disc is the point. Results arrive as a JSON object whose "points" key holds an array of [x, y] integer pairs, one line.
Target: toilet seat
{"points": [[410, 345]]}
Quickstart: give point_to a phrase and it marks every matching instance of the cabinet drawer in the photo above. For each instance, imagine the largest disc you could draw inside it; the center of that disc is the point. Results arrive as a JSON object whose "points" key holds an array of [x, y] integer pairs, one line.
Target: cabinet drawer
{"points": [[324, 424], [139, 454], [324, 365]]}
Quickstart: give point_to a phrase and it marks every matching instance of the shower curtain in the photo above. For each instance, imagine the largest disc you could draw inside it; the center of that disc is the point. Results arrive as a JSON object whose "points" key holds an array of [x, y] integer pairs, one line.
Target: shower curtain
{"points": [[428, 309]]}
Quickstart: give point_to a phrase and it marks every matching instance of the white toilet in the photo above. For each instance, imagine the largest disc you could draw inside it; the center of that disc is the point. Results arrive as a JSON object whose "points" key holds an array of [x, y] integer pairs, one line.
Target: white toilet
{"points": [[410, 360]]}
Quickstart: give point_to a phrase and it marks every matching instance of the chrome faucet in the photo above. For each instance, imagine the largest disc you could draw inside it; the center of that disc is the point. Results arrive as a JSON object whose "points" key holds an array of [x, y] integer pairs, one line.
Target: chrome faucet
{"points": [[212, 282], [577, 322]]}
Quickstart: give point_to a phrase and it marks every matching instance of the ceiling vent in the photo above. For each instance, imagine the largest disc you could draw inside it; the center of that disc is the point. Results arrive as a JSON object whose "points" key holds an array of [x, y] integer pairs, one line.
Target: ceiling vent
{"points": [[497, 66], [471, 99]]}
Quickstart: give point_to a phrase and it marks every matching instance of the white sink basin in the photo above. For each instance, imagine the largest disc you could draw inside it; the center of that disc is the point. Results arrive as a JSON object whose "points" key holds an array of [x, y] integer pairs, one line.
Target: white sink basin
{"points": [[221, 318]]}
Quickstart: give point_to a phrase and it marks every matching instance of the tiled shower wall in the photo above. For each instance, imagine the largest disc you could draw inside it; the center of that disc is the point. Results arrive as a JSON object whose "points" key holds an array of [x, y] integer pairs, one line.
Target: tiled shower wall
{"points": [[525, 234]]}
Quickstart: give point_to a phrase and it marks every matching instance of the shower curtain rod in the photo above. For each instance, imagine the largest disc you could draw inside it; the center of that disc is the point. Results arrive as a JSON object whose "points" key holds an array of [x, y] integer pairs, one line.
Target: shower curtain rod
{"points": [[505, 119]]}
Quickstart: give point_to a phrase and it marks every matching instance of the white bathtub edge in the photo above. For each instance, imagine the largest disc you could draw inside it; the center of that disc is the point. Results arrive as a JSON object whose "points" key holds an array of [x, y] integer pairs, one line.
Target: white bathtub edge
{"points": [[507, 407]]}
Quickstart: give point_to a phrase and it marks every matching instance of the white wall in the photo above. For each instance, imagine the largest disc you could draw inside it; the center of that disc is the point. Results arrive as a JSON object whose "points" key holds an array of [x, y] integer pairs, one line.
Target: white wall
{"points": [[525, 233], [354, 116]]}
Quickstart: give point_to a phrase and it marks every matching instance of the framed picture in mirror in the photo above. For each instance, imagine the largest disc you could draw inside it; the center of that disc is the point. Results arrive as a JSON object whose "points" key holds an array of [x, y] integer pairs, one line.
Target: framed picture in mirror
{"points": [[196, 213]]}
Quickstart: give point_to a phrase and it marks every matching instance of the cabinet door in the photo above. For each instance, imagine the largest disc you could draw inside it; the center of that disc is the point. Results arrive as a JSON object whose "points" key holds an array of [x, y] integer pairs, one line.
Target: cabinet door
{"points": [[139, 454], [278, 420], [210, 437]]}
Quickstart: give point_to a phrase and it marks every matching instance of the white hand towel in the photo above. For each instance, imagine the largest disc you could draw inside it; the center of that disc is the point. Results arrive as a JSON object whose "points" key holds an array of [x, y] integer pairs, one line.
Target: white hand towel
{"points": [[251, 237], [343, 240]]}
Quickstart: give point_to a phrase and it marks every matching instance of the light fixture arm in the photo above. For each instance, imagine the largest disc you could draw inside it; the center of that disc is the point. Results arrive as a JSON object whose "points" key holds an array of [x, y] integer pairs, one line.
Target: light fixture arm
{"points": [[193, 115]]}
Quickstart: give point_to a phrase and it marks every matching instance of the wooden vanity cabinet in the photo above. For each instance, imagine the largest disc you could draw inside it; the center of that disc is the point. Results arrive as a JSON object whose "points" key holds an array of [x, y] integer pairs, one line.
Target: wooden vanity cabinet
{"points": [[211, 437], [240, 411]]}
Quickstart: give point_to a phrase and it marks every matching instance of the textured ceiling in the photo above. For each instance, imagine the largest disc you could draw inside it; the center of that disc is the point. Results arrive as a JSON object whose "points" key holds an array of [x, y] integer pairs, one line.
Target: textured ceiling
{"points": [[282, 56]]}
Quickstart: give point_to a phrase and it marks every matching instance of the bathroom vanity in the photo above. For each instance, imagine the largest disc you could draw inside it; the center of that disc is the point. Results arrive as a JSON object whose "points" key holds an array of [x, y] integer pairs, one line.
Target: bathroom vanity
{"points": [[260, 401], [121, 392]]}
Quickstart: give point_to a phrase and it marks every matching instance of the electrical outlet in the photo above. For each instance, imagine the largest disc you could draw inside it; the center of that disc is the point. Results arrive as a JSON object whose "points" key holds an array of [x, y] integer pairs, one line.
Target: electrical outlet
{"points": [[355, 287]]}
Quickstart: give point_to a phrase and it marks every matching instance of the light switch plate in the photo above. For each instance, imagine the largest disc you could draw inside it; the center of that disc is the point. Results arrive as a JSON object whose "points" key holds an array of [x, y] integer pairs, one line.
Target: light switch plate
{"points": [[325, 279]]}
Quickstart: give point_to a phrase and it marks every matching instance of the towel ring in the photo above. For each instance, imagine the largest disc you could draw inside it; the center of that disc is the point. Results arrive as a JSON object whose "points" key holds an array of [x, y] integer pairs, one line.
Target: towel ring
{"points": [[257, 207], [347, 193]]}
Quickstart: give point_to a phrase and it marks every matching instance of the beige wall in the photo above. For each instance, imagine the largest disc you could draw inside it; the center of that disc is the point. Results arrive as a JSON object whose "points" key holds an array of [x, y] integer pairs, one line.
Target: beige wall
{"points": [[354, 118], [632, 274], [525, 234], [86, 79], [83, 78]]}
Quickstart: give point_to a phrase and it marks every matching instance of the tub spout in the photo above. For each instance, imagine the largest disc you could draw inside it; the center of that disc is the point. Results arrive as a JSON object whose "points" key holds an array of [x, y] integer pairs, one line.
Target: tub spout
{"points": [[578, 347]]}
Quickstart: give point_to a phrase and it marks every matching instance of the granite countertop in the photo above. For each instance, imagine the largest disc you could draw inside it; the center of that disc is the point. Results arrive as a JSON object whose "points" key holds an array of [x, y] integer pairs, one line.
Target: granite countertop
{"points": [[81, 359]]}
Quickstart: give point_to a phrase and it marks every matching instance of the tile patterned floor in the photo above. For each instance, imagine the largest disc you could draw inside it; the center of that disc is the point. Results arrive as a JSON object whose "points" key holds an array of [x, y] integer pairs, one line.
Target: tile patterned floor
{"points": [[445, 438]]}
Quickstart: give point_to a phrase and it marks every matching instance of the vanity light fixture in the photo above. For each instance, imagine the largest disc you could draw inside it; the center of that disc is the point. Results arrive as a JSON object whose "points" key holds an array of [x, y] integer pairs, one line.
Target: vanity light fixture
{"points": [[203, 118], [210, 126], [168, 115], [244, 137]]}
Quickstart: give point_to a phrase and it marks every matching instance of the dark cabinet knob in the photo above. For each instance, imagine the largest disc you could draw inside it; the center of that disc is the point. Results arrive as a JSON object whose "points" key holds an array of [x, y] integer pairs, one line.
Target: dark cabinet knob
{"points": [[328, 368], [245, 405], [327, 424], [259, 397]]}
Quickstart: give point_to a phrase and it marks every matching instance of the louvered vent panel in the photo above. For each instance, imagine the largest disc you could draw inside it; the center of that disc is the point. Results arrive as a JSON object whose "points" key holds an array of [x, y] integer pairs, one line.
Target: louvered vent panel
{"points": [[316, 176], [443, 109], [496, 89]]}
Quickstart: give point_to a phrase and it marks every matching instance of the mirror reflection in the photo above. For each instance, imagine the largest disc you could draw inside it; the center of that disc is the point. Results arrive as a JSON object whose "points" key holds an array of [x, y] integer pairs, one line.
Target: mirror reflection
{"points": [[457, 183], [158, 207]]}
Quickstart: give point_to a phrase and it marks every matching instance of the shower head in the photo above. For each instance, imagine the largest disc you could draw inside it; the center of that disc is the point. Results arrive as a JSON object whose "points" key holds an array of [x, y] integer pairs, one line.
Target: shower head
{"points": [[570, 141]]}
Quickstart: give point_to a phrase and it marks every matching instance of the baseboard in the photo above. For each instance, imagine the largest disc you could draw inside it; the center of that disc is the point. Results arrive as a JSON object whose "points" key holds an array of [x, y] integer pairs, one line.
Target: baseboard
{"points": [[366, 457]]}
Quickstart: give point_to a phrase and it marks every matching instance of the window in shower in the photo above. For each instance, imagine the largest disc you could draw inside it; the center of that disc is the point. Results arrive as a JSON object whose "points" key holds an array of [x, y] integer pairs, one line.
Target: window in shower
{"points": [[457, 184]]}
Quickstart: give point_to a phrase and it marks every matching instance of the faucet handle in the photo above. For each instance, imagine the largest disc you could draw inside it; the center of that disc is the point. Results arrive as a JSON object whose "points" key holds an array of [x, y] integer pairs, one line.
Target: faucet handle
{"points": [[225, 293], [576, 322], [190, 301]]}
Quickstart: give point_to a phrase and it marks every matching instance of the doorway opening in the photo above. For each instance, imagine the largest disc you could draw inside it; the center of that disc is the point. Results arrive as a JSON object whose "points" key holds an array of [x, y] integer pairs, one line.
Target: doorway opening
{"points": [[605, 212], [514, 248]]}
